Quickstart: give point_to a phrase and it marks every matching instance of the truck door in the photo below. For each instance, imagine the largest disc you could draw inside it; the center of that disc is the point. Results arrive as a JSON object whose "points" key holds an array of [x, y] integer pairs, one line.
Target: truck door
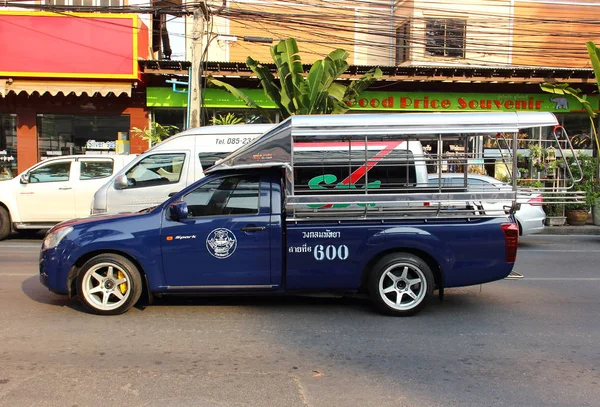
{"points": [[89, 174], [49, 194], [224, 243]]}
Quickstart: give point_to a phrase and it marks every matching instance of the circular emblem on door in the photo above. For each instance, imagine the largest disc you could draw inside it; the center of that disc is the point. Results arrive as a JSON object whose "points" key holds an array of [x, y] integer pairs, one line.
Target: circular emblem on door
{"points": [[221, 243]]}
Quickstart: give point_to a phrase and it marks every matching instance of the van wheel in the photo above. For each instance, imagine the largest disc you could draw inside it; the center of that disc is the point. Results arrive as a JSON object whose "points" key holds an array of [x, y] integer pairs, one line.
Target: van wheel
{"points": [[109, 284], [4, 223], [400, 284]]}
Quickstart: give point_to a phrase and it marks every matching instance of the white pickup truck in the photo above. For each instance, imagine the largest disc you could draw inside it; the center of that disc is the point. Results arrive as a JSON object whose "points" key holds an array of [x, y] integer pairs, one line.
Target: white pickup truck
{"points": [[54, 190]]}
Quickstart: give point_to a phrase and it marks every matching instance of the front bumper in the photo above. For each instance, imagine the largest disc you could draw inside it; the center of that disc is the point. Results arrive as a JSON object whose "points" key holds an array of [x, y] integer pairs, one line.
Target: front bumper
{"points": [[52, 275]]}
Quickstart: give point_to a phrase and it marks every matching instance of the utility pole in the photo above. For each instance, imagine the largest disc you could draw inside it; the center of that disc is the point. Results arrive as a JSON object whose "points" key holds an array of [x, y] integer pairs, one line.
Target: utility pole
{"points": [[195, 77]]}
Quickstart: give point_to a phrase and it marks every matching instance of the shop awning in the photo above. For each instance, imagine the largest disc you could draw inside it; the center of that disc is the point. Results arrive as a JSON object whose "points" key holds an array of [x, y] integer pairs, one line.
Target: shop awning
{"points": [[66, 87]]}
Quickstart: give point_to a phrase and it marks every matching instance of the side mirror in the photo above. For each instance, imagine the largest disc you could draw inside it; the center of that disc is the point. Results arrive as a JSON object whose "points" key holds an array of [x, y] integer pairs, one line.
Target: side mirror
{"points": [[25, 178], [172, 194], [121, 181], [178, 211]]}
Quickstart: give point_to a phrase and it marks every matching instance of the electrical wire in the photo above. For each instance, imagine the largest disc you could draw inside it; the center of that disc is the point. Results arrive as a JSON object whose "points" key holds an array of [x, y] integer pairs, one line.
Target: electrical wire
{"points": [[354, 25]]}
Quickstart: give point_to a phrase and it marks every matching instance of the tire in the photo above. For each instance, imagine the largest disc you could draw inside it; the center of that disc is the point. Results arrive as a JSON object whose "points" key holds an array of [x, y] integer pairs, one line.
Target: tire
{"points": [[400, 284], [5, 226], [109, 284]]}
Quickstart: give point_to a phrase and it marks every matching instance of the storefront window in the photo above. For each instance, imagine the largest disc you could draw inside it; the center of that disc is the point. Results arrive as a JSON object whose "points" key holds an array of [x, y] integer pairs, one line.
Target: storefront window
{"points": [[8, 146], [170, 117], [578, 128], [82, 134]]}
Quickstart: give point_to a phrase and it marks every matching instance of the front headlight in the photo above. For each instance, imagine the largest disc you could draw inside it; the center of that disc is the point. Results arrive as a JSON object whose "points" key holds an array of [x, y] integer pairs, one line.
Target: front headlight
{"points": [[53, 239]]}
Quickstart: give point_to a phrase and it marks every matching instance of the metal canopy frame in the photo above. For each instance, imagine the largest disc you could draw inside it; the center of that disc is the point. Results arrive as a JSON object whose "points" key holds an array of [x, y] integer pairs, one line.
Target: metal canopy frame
{"points": [[358, 138]]}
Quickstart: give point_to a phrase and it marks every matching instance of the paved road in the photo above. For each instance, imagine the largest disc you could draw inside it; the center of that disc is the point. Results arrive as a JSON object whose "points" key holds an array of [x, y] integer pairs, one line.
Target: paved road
{"points": [[531, 342]]}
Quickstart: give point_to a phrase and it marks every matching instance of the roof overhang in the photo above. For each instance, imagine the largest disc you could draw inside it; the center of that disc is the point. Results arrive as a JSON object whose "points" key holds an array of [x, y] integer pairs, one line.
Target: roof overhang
{"points": [[408, 73], [66, 87]]}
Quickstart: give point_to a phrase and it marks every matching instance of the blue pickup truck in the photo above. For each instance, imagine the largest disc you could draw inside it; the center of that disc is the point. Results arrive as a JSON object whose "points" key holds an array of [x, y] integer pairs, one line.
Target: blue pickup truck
{"points": [[261, 221]]}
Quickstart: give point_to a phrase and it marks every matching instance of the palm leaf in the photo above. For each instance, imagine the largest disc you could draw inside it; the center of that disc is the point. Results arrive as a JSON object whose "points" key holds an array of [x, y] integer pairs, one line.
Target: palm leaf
{"points": [[234, 91], [267, 80], [594, 54], [566, 89], [316, 91], [289, 65], [335, 64], [357, 87]]}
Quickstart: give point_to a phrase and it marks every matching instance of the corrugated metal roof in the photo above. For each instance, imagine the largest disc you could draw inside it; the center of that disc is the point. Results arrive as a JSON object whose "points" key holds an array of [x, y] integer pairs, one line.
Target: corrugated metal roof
{"points": [[402, 72]]}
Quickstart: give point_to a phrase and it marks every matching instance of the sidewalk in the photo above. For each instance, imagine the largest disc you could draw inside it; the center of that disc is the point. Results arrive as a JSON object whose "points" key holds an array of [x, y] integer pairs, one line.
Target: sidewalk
{"points": [[588, 229]]}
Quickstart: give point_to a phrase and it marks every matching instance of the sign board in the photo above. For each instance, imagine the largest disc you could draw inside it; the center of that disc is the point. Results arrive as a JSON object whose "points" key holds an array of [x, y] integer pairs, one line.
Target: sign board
{"points": [[71, 45], [395, 101]]}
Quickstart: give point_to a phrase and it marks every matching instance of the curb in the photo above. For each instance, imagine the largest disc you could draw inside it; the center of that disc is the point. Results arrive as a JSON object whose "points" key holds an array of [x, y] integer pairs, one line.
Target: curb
{"points": [[571, 230]]}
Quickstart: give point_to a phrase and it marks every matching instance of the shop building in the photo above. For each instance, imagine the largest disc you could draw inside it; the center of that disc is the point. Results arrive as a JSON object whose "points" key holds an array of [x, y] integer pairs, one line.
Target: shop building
{"points": [[402, 89], [69, 84]]}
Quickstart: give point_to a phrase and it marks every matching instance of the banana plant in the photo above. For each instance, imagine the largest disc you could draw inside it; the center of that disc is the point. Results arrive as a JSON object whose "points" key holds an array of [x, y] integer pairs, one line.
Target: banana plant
{"points": [[566, 89], [155, 133], [295, 92], [229, 118]]}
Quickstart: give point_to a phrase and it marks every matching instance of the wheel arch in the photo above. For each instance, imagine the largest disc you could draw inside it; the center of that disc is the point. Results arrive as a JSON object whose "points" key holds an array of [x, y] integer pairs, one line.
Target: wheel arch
{"points": [[72, 277], [438, 274]]}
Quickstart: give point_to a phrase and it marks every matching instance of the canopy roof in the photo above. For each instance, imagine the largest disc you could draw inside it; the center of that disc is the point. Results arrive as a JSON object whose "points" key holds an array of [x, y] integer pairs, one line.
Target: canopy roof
{"points": [[275, 148]]}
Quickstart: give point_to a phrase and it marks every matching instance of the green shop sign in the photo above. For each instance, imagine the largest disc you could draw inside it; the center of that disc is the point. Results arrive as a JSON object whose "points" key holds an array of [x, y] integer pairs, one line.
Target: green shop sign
{"points": [[395, 101], [213, 98]]}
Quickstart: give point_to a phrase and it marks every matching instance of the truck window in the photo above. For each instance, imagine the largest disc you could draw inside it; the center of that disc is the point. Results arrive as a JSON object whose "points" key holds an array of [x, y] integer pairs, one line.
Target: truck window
{"points": [[95, 169], [53, 172], [224, 196], [156, 169], [340, 171]]}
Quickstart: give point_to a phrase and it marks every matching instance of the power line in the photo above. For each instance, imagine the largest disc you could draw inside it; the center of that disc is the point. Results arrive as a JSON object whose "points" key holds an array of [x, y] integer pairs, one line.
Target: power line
{"points": [[343, 25]]}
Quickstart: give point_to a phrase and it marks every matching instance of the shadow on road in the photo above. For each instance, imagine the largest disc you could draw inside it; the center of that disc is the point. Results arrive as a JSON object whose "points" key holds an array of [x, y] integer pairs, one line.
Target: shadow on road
{"points": [[281, 302], [456, 302], [37, 292], [27, 235]]}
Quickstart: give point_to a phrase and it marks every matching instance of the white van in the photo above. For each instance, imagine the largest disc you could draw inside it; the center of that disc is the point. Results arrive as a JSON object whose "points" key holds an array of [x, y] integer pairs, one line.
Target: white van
{"points": [[170, 166]]}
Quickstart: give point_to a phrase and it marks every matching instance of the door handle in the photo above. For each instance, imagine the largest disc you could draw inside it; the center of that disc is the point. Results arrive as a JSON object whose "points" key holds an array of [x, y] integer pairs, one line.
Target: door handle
{"points": [[64, 188], [253, 228]]}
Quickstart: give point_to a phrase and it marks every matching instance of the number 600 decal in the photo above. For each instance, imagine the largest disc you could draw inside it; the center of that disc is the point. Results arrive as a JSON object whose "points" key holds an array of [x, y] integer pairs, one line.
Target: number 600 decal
{"points": [[331, 252]]}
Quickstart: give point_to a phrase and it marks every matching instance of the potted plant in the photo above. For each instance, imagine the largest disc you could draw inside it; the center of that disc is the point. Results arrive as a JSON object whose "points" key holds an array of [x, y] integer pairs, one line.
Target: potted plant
{"points": [[555, 214], [577, 213]]}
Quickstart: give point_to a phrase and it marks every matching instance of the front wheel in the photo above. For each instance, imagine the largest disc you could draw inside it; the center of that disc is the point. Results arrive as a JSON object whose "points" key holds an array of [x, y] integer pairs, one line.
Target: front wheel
{"points": [[4, 223], [109, 284], [400, 284]]}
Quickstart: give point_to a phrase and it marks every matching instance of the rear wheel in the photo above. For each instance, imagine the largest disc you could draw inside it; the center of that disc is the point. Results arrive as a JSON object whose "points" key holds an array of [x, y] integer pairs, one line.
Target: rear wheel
{"points": [[4, 223], [400, 284], [109, 284]]}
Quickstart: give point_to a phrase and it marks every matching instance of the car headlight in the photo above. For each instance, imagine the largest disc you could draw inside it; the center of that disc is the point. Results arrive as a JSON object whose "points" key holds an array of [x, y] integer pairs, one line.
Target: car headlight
{"points": [[52, 239]]}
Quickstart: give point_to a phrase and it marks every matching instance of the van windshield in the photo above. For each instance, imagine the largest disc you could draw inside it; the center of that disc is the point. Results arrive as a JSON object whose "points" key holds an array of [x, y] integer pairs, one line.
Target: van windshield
{"points": [[156, 169]]}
